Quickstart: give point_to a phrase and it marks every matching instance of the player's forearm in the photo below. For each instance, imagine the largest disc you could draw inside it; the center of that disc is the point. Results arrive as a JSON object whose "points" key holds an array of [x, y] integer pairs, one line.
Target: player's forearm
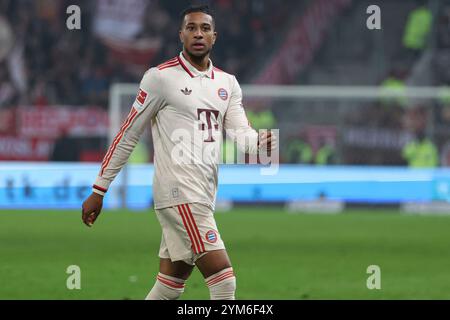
{"points": [[116, 157], [109, 173]]}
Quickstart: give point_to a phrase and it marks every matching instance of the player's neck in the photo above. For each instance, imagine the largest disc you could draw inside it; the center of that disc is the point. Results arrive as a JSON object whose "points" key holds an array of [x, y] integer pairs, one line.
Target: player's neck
{"points": [[199, 63]]}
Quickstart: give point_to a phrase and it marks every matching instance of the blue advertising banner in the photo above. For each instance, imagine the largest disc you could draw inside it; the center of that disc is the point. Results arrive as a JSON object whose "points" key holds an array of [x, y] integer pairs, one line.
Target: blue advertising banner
{"points": [[66, 185]]}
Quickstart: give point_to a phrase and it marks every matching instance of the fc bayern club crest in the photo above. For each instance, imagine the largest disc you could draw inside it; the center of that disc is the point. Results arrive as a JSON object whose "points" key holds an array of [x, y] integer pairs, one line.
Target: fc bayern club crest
{"points": [[211, 236], [223, 94]]}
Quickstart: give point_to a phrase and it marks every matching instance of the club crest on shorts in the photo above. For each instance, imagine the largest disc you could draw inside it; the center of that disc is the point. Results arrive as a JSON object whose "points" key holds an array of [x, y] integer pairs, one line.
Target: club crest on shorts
{"points": [[223, 94], [211, 236]]}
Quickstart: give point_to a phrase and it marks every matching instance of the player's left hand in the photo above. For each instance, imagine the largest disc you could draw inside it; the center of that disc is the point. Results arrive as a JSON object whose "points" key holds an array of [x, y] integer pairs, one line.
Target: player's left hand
{"points": [[267, 140]]}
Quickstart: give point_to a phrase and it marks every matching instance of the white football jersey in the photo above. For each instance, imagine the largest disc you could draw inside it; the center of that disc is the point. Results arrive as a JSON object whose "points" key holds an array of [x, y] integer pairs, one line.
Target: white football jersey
{"points": [[187, 110]]}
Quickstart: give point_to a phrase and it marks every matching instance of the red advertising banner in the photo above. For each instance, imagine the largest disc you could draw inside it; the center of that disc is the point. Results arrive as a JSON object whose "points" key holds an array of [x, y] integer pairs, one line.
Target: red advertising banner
{"points": [[29, 133], [7, 121], [50, 122], [24, 149]]}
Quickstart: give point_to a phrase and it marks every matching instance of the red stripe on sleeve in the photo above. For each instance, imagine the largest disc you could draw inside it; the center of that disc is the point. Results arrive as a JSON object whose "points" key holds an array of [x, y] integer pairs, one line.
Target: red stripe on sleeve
{"points": [[116, 141], [99, 188], [168, 66]]}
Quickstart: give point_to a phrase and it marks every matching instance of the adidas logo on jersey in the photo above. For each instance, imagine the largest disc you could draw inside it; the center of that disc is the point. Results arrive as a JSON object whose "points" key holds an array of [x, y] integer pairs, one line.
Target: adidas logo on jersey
{"points": [[186, 91]]}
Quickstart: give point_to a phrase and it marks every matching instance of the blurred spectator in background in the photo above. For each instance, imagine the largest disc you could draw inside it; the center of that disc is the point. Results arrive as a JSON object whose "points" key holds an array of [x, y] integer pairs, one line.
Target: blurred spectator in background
{"points": [[418, 28], [443, 107], [8, 93], [395, 81], [299, 151], [261, 119], [326, 154], [6, 37], [65, 148], [443, 28], [421, 152], [118, 41]]}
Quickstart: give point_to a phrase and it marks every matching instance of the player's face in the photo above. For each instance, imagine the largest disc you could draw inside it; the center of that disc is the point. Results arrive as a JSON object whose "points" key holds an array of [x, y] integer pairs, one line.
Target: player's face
{"points": [[197, 34]]}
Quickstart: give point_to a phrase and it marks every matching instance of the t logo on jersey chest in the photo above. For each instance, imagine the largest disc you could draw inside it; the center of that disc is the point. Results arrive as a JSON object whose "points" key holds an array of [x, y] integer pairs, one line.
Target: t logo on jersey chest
{"points": [[209, 126]]}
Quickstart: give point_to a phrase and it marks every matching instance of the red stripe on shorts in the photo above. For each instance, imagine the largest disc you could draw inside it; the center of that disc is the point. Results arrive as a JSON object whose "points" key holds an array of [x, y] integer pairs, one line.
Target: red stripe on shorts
{"points": [[192, 226], [202, 245], [193, 243]]}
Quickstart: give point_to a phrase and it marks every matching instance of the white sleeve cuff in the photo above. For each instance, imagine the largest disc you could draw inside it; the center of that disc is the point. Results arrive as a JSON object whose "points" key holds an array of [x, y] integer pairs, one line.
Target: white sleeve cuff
{"points": [[95, 190], [101, 185]]}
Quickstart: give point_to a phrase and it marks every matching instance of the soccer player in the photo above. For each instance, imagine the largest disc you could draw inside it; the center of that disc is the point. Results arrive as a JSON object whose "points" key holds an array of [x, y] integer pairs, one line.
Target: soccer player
{"points": [[186, 94]]}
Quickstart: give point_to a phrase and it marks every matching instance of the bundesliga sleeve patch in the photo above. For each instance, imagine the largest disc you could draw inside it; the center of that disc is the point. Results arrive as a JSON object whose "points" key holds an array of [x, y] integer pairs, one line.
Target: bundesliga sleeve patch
{"points": [[142, 95]]}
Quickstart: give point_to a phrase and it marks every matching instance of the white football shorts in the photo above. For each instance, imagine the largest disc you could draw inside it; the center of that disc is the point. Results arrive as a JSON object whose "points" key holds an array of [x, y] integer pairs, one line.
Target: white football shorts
{"points": [[189, 231]]}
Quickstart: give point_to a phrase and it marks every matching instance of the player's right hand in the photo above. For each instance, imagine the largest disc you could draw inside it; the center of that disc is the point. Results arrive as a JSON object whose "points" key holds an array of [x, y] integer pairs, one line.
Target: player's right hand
{"points": [[91, 208], [267, 140]]}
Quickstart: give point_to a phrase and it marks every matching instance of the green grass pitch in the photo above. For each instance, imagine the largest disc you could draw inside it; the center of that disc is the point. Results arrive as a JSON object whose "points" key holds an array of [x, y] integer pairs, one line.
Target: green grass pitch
{"points": [[276, 255]]}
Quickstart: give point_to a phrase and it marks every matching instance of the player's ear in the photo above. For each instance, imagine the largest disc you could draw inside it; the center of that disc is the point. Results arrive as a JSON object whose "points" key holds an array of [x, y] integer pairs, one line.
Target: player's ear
{"points": [[180, 34], [214, 37]]}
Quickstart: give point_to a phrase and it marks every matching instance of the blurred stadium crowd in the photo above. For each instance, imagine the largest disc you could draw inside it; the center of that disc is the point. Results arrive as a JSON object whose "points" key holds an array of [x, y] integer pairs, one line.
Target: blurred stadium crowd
{"points": [[52, 65], [42, 64]]}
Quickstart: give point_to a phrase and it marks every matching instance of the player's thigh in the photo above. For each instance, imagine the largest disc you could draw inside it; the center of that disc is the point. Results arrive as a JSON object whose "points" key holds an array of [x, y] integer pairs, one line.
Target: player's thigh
{"points": [[213, 262], [177, 269]]}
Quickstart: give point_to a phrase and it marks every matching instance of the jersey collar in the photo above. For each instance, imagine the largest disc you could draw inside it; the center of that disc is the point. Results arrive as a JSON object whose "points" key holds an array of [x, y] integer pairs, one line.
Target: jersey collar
{"points": [[192, 71]]}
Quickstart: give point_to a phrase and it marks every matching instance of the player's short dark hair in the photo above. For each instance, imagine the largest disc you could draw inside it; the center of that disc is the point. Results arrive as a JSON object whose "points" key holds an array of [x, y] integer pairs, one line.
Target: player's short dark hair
{"points": [[198, 8]]}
